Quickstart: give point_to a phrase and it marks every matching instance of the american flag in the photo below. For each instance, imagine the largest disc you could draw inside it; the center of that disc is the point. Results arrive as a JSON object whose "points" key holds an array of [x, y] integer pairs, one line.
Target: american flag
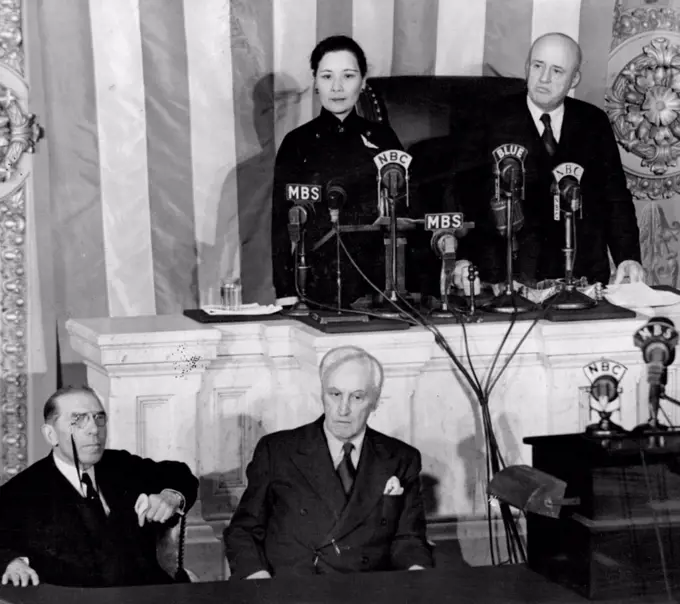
{"points": [[164, 116]]}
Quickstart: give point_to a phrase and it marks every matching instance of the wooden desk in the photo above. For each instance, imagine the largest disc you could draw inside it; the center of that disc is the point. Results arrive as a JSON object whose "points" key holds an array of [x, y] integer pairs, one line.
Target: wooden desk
{"points": [[481, 585], [626, 527]]}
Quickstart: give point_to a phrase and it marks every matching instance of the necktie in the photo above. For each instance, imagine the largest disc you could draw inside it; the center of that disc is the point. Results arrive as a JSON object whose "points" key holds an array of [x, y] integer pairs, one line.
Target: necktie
{"points": [[346, 470], [91, 495], [548, 136]]}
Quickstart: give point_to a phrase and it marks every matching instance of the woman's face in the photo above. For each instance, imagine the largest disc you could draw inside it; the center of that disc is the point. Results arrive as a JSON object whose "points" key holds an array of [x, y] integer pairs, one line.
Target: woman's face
{"points": [[339, 82]]}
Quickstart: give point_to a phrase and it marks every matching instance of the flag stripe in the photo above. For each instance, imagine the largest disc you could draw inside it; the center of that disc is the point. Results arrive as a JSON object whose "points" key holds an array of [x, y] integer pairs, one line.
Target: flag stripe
{"points": [[556, 15], [121, 124], [507, 38], [252, 56], [415, 40], [373, 29], [79, 269], [332, 18], [460, 37], [168, 133], [595, 37], [294, 39], [213, 140]]}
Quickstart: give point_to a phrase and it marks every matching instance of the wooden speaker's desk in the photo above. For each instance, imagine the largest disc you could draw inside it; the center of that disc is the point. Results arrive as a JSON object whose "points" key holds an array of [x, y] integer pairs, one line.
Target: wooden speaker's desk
{"points": [[624, 536]]}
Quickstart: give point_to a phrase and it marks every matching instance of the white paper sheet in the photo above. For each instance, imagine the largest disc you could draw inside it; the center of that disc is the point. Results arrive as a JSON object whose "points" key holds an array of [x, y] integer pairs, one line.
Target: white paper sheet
{"points": [[637, 295], [245, 309]]}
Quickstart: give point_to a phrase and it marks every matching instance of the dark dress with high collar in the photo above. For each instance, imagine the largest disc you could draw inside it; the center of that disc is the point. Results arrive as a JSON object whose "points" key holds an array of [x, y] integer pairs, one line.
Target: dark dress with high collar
{"points": [[317, 152]]}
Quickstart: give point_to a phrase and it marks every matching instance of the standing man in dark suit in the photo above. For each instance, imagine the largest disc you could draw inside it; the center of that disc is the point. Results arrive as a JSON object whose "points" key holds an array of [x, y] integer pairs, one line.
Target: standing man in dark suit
{"points": [[86, 516], [554, 129], [333, 496]]}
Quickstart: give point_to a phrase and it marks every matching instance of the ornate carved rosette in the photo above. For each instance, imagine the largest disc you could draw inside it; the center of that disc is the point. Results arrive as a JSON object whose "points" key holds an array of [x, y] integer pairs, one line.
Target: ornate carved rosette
{"points": [[13, 386], [643, 105]]}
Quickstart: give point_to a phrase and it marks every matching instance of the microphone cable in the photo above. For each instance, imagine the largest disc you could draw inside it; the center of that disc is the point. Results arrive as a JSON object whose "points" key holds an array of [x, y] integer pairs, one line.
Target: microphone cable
{"points": [[328, 307], [493, 455]]}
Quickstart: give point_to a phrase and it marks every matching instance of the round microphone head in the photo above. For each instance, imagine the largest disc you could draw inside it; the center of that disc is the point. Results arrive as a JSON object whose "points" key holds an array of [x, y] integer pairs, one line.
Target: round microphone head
{"points": [[570, 194], [604, 386], [510, 170]]}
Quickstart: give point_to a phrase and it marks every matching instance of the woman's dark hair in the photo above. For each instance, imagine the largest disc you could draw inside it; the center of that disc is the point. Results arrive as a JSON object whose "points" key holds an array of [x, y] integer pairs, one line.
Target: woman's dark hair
{"points": [[335, 44]]}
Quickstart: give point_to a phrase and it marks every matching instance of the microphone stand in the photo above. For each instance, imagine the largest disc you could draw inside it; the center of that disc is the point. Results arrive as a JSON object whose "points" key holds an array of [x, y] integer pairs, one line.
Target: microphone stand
{"points": [[335, 219], [300, 308], [510, 301], [568, 297], [657, 391], [444, 284], [391, 309]]}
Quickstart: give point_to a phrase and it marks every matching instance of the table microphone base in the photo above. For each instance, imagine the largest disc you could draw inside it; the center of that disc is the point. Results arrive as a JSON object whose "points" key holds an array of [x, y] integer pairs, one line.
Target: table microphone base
{"points": [[605, 427], [569, 298], [513, 303], [440, 313], [389, 306], [650, 427], [299, 309]]}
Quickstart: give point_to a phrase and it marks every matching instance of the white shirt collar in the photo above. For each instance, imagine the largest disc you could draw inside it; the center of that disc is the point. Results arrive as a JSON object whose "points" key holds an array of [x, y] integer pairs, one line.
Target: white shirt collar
{"points": [[556, 118], [71, 474], [335, 446]]}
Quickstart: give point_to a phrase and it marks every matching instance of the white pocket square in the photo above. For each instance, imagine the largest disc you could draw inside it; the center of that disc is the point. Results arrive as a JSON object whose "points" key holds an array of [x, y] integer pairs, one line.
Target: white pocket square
{"points": [[393, 487]]}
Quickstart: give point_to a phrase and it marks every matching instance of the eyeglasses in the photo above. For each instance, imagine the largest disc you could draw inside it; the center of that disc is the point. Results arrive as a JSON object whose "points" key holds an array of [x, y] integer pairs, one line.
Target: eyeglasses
{"points": [[79, 420]]}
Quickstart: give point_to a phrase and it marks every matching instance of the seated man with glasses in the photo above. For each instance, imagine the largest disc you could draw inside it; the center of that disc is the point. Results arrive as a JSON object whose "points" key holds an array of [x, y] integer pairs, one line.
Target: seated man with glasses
{"points": [[85, 515]]}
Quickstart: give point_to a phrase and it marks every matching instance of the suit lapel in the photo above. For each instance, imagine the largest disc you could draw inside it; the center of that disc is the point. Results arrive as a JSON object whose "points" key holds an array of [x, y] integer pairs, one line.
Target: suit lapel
{"points": [[376, 465], [313, 460]]}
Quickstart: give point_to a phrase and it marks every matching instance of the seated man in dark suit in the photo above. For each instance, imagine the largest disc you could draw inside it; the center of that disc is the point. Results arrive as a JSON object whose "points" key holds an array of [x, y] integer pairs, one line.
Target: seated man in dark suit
{"points": [[83, 515], [554, 129], [333, 496]]}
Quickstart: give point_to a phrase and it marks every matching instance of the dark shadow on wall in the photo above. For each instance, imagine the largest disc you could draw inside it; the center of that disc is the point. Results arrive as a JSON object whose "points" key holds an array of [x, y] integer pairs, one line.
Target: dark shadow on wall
{"points": [[275, 100]]}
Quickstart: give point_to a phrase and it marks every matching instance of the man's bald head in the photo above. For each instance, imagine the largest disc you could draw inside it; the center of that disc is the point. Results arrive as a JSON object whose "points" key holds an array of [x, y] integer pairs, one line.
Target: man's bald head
{"points": [[552, 69]]}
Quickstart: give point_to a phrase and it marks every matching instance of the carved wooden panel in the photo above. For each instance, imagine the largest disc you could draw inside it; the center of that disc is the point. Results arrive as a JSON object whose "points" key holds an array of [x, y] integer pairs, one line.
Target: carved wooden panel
{"points": [[19, 133]]}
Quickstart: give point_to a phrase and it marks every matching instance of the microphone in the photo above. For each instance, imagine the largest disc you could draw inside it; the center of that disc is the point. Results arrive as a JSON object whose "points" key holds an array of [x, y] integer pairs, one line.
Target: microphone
{"points": [[570, 196], [297, 216], [393, 177], [657, 340], [336, 195], [509, 186], [605, 377], [566, 190], [393, 180]]}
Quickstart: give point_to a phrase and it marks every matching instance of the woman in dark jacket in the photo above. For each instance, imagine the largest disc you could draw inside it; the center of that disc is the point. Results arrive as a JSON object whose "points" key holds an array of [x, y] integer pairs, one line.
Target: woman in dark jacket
{"points": [[337, 146]]}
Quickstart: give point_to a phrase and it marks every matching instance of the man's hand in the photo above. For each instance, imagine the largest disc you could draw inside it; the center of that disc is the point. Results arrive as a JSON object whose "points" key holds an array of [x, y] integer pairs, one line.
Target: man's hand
{"points": [[19, 573], [629, 271], [157, 508], [260, 574]]}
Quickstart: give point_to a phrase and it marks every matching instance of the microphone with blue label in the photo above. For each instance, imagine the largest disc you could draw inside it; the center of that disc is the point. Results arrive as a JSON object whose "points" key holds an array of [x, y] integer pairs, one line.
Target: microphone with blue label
{"points": [[506, 209]]}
